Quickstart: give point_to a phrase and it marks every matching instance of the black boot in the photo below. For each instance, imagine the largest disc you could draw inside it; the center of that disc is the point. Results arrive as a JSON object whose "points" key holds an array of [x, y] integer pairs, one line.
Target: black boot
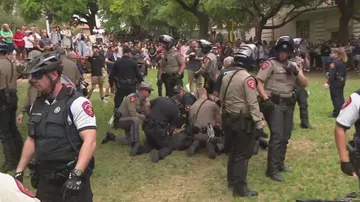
{"points": [[211, 150], [109, 136], [191, 151], [243, 191], [135, 149], [285, 169], [305, 125]]}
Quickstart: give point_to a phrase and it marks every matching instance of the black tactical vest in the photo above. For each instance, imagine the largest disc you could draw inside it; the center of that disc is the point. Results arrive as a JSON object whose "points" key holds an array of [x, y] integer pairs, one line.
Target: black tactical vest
{"points": [[357, 123], [48, 128]]}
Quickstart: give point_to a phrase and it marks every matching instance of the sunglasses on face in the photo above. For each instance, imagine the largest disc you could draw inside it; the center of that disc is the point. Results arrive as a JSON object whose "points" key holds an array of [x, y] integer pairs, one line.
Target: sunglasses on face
{"points": [[37, 75]]}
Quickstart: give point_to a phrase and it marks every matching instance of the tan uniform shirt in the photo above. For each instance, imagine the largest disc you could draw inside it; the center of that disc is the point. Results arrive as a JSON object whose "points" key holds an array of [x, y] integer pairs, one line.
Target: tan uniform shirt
{"points": [[133, 106], [276, 79], [241, 95], [172, 61], [209, 65], [208, 113], [8, 74], [71, 70]]}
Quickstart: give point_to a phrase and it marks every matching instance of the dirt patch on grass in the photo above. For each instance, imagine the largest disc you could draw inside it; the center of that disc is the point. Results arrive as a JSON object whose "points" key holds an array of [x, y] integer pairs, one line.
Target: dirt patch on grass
{"points": [[300, 147]]}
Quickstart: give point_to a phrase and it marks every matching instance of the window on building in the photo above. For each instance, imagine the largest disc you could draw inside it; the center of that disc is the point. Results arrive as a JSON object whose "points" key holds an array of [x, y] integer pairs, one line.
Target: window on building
{"points": [[303, 29]]}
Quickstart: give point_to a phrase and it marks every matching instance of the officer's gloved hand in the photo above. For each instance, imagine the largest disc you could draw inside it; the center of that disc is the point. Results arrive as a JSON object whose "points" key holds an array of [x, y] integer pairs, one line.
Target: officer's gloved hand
{"points": [[347, 168], [268, 105], [19, 176], [72, 185], [291, 68]]}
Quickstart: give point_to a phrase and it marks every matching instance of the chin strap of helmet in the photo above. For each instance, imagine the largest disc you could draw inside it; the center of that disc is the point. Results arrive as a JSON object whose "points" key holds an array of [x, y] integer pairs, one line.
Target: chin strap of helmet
{"points": [[53, 85]]}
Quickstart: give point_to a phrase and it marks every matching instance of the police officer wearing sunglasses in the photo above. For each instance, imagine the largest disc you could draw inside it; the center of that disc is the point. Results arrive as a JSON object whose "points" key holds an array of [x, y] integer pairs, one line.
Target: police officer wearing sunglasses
{"points": [[11, 138], [62, 136]]}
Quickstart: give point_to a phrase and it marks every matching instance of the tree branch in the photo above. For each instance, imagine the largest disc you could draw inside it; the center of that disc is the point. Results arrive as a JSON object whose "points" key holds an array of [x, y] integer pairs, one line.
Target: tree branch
{"points": [[257, 9], [196, 3], [286, 20], [184, 6], [274, 10]]}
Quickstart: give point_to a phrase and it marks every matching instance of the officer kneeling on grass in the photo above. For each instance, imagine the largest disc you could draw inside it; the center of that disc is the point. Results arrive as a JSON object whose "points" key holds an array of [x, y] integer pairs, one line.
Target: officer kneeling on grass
{"points": [[128, 117], [205, 118], [62, 136], [162, 119]]}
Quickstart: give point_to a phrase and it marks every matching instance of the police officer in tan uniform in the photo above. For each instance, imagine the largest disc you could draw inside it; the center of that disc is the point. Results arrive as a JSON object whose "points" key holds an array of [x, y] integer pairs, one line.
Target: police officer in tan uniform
{"points": [[70, 68], [209, 66], [172, 65], [241, 118], [11, 140], [128, 117], [277, 80], [203, 114]]}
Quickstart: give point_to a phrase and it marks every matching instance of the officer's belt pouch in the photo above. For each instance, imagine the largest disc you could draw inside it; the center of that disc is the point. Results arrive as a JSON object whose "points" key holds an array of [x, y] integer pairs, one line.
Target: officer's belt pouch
{"points": [[275, 97], [31, 129]]}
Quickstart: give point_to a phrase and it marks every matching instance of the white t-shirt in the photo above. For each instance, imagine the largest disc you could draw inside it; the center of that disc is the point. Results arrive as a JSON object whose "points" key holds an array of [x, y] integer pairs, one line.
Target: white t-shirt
{"points": [[350, 111], [27, 39], [12, 190]]}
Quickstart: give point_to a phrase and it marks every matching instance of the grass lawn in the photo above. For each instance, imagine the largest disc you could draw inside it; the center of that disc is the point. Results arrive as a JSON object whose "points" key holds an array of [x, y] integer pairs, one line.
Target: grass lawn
{"points": [[312, 155]]}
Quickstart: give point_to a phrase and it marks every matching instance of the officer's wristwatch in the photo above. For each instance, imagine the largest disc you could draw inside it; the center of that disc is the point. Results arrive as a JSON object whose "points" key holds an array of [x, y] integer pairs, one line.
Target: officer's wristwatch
{"points": [[77, 172]]}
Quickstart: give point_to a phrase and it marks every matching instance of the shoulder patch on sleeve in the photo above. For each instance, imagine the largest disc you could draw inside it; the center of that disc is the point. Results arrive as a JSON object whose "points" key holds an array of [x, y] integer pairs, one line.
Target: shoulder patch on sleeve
{"points": [[23, 189], [251, 83], [347, 103], [206, 59], [265, 65], [133, 99], [332, 65], [88, 109]]}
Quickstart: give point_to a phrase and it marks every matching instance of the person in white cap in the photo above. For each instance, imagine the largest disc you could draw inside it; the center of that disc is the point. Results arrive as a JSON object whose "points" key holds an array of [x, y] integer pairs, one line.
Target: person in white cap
{"points": [[11, 190]]}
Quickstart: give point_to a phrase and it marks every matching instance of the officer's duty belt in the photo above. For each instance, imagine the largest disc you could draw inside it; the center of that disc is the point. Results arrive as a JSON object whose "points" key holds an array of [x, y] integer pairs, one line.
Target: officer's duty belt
{"points": [[169, 74], [127, 81]]}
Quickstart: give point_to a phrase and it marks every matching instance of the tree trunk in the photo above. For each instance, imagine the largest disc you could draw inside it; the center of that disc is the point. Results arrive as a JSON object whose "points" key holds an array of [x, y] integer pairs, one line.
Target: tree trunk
{"points": [[204, 21], [344, 29], [258, 31], [91, 23]]}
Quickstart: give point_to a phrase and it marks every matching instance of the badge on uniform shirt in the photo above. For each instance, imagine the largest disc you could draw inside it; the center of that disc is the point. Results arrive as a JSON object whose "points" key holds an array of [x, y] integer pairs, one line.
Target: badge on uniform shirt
{"points": [[132, 99], [251, 83], [57, 110], [332, 65], [206, 59], [347, 103], [88, 109], [24, 190], [265, 65]]}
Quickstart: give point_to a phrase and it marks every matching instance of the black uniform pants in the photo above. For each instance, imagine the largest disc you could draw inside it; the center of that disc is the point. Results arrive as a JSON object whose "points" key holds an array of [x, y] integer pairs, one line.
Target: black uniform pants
{"points": [[301, 99], [50, 191], [157, 138], [11, 138], [170, 82], [241, 150], [280, 122], [124, 90], [337, 96]]}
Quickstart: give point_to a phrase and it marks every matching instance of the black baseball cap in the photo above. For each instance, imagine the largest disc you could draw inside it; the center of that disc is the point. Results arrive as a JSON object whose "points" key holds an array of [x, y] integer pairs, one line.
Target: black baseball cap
{"points": [[126, 50]]}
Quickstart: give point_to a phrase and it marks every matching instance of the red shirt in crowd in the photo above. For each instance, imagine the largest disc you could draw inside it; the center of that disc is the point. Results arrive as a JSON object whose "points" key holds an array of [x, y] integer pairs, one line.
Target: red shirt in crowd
{"points": [[19, 39]]}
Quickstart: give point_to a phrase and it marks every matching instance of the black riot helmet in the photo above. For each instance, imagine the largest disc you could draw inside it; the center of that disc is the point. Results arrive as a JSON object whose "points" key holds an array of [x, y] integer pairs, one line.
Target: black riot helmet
{"points": [[44, 63], [167, 40], [205, 46], [178, 89], [246, 56], [285, 43]]}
